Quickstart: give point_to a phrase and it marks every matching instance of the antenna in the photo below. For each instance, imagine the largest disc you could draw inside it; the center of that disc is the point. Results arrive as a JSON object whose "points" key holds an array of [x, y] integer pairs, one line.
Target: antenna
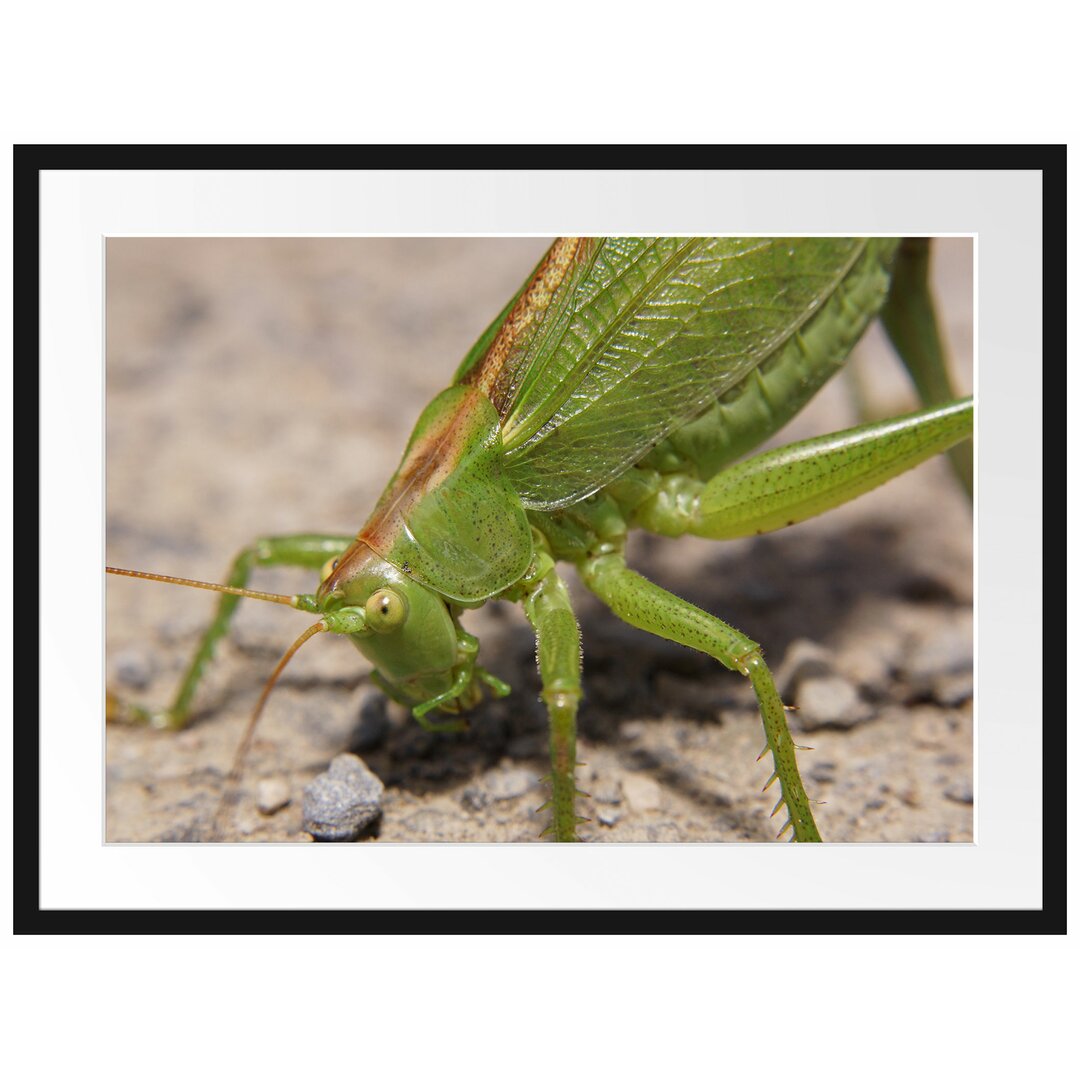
{"points": [[275, 598], [249, 732]]}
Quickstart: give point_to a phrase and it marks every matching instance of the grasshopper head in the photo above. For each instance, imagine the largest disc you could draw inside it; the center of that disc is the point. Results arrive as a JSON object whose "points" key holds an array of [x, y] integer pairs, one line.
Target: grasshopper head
{"points": [[407, 631]]}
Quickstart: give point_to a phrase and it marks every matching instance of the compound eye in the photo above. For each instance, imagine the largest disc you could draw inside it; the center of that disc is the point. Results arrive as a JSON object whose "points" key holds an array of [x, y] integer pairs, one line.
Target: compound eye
{"points": [[385, 611]]}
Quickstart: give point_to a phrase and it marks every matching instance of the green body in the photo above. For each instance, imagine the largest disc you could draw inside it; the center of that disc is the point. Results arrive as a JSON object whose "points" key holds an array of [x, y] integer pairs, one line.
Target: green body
{"points": [[618, 390]]}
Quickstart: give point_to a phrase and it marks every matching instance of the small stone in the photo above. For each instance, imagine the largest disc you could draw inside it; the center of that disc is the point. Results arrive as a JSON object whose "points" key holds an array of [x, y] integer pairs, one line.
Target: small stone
{"points": [[909, 796], [960, 793], [608, 815], [245, 825], [941, 650], [823, 772], [474, 798], [135, 668], [427, 824], [804, 659], [181, 834], [642, 792], [830, 702], [343, 801], [929, 727], [632, 729], [605, 791], [509, 784], [871, 662], [666, 832], [872, 646], [953, 690], [271, 795]]}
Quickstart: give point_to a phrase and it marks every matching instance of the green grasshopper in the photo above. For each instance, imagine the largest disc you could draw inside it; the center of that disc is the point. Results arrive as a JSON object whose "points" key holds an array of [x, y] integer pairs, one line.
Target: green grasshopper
{"points": [[617, 389]]}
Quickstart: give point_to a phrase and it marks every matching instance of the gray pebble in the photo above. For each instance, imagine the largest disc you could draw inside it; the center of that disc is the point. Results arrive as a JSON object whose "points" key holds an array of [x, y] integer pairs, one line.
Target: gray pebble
{"points": [[608, 815], [509, 784], [474, 798], [271, 795], [823, 772], [804, 659], [929, 726], [343, 801], [871, 660], [953, 690], [666, 832], [431, 824], [830, 702], [941, 650], [605, 791], [135, 668]]}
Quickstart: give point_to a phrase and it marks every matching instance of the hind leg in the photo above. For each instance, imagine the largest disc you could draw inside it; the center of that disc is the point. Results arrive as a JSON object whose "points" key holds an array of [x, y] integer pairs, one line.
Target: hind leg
{"points": [[638, 601]]}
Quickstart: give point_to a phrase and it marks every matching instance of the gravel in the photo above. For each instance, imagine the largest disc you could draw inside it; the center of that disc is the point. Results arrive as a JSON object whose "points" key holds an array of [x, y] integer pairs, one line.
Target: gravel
{"points": [[344, 801]]}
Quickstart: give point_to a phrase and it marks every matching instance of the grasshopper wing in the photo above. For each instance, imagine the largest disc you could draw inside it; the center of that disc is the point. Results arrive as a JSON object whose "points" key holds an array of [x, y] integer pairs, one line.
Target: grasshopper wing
{"points": [[615, 342]]}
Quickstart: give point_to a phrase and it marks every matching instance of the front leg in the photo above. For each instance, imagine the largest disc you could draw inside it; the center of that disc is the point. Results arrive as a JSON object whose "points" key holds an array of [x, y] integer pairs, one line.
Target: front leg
{"points": [[305, 550], [558, 653], [464, 692], [638, 601]]}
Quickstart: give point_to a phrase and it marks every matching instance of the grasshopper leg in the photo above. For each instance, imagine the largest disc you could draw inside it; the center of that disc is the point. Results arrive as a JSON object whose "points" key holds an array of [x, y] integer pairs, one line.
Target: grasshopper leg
{"points": [[463, 692], [641, 603], [912, 326], [306, 550], [785, 486], [558, 653], [766, 492]]}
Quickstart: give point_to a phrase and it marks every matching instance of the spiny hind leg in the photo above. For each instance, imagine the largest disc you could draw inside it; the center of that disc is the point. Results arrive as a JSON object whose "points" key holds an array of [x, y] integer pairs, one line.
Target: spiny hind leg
{"points": [[307, 551], [638, 601]]}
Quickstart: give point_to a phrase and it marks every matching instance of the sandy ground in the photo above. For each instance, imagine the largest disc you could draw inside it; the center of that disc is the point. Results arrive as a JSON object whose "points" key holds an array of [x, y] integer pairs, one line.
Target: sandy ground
{"points": [[260, 387]]}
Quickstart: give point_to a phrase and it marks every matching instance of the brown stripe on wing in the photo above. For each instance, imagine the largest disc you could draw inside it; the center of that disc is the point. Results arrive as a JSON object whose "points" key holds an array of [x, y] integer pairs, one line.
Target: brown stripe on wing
{"points": [[488, 374], [430, 460]]}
